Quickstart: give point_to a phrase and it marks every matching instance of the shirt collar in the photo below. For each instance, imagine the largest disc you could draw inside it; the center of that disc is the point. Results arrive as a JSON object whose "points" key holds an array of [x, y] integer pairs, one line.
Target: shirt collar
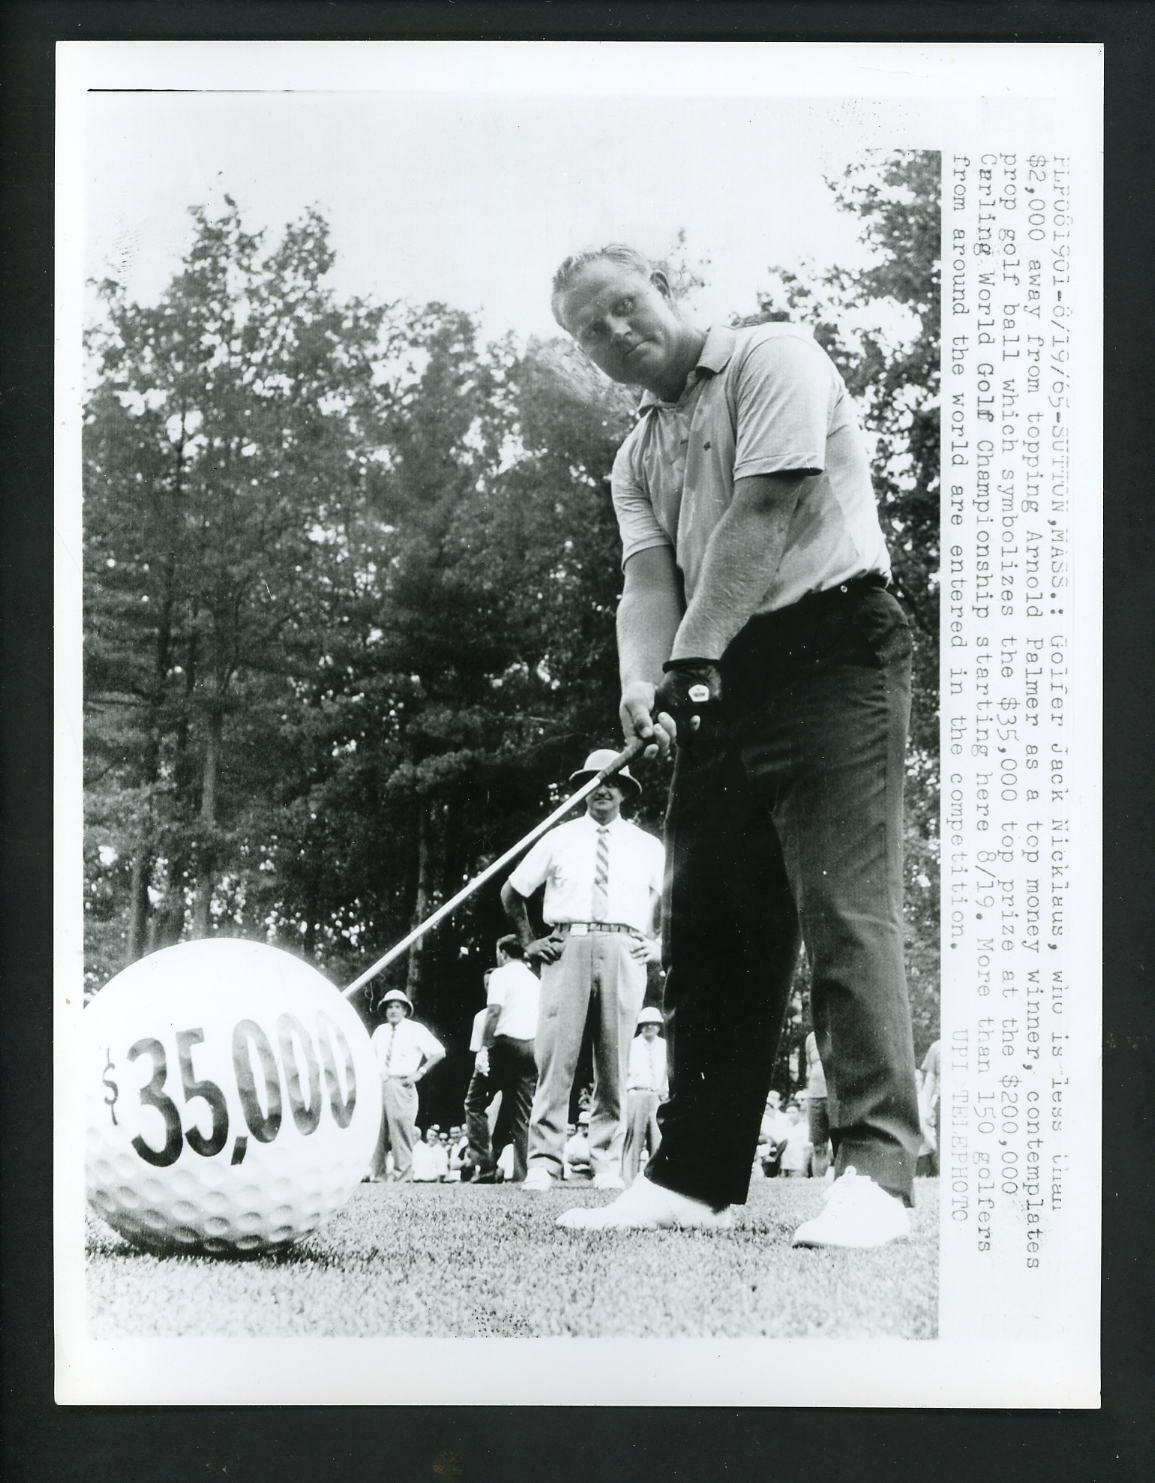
{"points": [[716, 351], [612, 826]]}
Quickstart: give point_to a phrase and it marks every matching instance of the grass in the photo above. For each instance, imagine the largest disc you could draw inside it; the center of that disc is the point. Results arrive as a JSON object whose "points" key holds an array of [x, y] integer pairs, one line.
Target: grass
{"points": [[460, 1261]]}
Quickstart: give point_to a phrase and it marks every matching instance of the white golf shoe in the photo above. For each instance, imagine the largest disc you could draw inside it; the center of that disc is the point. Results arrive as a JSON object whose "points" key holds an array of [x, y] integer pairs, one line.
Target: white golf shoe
{"points": [[856, 1213], [608, 1180], [647, 1207], [538, 1179]]}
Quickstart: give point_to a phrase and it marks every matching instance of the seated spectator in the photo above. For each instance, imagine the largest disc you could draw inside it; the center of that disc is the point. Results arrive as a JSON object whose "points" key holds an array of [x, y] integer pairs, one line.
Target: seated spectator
{"points": [[772, 1135], [458, 1154], [817, 1110], [577, 1150], [430, 1159], [795, 1157], [929, 1096]]}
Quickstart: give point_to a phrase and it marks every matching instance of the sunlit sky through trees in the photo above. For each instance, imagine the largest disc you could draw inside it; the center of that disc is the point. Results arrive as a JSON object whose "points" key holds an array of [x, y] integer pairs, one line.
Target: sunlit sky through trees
{"points": [[474, 199]]}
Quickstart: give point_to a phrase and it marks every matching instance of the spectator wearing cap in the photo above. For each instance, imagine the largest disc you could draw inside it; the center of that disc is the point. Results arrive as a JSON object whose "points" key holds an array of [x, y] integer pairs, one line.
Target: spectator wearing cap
{"points": [[406, 1052], [647, 1086], [603, 886], [508, 1035]]}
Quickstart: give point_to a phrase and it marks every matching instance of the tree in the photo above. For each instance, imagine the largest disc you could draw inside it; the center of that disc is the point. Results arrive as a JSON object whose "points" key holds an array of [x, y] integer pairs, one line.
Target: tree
{"points": [[226, 439], [351, 575]]}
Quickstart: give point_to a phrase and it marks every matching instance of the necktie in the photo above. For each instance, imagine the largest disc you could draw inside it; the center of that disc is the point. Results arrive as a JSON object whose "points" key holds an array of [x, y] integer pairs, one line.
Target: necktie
{"points": [[601, 906], [389, 1048]]}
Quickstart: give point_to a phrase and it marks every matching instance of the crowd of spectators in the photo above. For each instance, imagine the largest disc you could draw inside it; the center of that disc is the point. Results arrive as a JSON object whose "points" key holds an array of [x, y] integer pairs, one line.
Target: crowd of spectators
{"points": [[793, 1141]]}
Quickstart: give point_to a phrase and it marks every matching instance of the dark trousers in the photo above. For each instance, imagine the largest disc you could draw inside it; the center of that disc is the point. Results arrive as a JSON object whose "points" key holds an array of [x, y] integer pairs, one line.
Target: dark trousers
{"points": [[512, 1072], [479, 1094], [785, 822]]}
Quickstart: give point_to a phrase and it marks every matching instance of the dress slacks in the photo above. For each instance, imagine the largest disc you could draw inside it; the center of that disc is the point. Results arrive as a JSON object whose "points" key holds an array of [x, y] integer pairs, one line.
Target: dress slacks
{"points": [[398, 1128], [785, 823], [596, 977]]}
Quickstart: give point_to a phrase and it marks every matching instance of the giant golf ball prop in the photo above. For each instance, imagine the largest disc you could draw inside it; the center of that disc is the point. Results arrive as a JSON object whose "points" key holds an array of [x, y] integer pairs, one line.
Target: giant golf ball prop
{"points": [[233, 1102]]}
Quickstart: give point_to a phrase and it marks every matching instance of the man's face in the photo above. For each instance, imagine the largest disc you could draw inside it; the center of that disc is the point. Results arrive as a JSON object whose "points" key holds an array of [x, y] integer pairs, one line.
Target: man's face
{"points": [[394, 1012], [626, 324], [650, 1032], [605, 803]]}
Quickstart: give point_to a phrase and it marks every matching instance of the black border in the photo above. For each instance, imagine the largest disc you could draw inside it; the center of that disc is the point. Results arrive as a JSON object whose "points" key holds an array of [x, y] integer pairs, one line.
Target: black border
{"points": [[42, 1441]]}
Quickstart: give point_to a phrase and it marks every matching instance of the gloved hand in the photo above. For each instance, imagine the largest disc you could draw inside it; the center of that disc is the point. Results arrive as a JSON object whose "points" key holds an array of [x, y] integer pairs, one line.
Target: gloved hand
{"points": [[690, 690]]}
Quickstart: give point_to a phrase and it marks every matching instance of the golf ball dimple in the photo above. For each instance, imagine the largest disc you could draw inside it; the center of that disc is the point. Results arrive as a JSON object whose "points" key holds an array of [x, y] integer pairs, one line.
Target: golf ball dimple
{"points": [[233, 1101]]}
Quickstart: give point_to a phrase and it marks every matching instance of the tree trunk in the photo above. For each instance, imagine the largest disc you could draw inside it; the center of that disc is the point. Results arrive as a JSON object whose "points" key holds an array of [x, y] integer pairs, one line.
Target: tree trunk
{"points": [[420, 901], [138, 905], [206, 853]]}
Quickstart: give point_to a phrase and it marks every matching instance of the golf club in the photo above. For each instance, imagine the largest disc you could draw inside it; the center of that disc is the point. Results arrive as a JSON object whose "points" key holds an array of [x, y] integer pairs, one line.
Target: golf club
{"points": [[626, 755]]}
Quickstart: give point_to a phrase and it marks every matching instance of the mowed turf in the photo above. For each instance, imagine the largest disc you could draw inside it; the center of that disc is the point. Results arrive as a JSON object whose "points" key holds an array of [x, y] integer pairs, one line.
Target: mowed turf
{"points": [[465, 1261], [460, 1261]]}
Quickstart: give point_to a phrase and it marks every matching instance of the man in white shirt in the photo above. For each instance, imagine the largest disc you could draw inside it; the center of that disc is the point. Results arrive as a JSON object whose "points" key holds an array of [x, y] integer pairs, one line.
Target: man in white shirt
{"points": [[795, 1159], [405, 1052], [508, 1036], [647, 1086], [430, 1158], [603, 889]]}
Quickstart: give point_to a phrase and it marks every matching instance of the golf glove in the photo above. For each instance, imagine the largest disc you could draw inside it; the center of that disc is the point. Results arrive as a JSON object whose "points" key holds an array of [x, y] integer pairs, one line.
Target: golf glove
{"points": [[690, 688]]}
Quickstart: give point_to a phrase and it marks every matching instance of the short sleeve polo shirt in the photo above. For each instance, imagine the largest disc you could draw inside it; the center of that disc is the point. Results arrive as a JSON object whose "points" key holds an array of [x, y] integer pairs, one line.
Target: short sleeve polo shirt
{"points": [[766, 400]]}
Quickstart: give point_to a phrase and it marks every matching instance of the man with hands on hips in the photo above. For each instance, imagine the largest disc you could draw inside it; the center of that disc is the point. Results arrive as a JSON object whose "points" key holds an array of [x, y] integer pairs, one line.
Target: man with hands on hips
{"points": [[405, 1052], [757, 635], [603, 883]]}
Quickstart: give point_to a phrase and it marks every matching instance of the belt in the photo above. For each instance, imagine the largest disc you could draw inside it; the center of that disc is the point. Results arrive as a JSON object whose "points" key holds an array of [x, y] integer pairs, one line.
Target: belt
{"points": [[831, 594], [589, 929], [784, 625]]}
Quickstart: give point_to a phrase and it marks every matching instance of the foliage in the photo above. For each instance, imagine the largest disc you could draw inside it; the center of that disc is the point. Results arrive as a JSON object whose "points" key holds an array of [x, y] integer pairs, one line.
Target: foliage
{"points": [[350, 576]]}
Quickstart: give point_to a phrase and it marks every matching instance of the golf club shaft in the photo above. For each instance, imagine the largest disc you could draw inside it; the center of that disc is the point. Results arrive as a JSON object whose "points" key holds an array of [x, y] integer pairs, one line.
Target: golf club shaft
{"points": [[624, 757]]}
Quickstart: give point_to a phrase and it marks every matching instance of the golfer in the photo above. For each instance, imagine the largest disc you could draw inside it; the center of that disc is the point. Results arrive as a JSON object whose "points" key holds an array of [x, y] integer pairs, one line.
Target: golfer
{"points": [[756, 629], [603, 886], [406, 1052]]}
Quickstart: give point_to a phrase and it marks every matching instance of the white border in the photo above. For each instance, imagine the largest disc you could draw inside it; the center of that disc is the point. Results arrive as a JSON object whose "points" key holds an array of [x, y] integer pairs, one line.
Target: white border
{"points": [[924, 96]]}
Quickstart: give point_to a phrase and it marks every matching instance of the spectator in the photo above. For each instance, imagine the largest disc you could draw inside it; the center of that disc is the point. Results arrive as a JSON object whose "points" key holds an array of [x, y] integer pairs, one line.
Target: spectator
{"points": [[406, 1052], [430, 1159], [458, 1154], [603, 886], [647, 1086], [577, 1148], [795, 1155], [929, 1101], [817, 1114], [478, 1096], [508, 1037], [772, 1135]]}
